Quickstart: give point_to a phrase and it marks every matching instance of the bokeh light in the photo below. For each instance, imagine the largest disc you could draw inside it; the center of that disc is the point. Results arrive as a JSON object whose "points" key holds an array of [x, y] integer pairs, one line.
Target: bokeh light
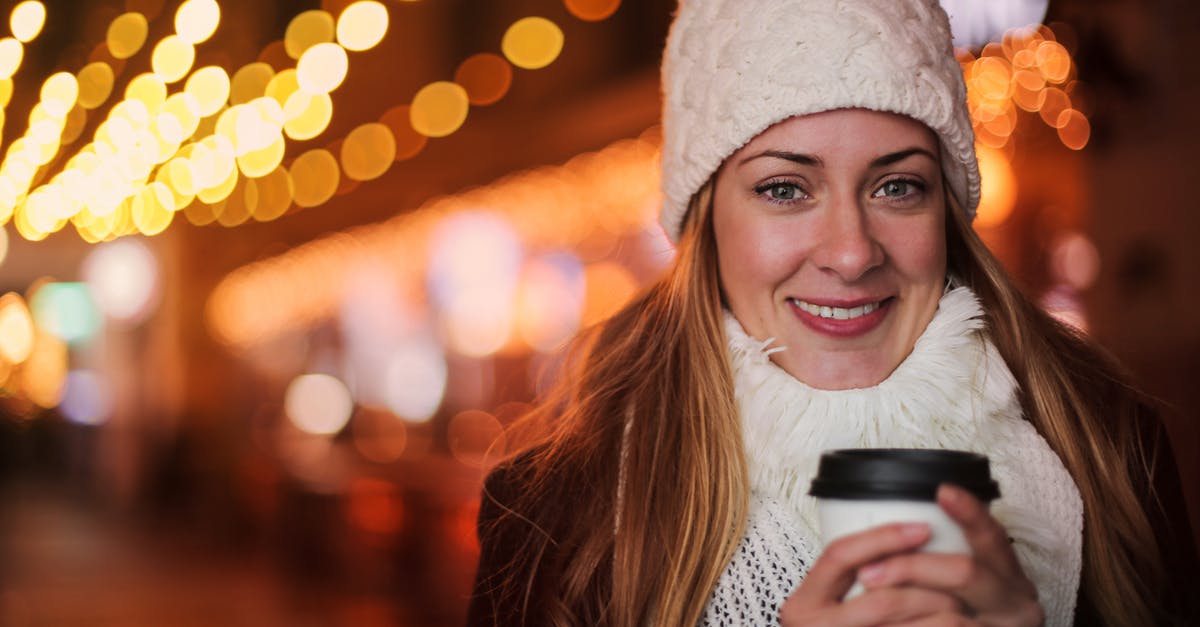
{"points": [[88, 398], [172, 58], [1075, 260], [485, 76], [43, 377], [378, 435], [123, 277], [409, 142], [27, 20], [315, 177], [197, 20], [204, 94], [532, 43], [475, 259], [250, 82], [592, 10], [439, 109], [16, 328], [550, 300], [1074, 130], [65, 310], [415, 380], [11, 54], [321, 68], [318, 403], [476, 438], [274, 195], [998, 191], [127, 34], [59, 93], [368, 151], [306, 30], [608, 287], [95, 84], [307, 115], [362, 25]]}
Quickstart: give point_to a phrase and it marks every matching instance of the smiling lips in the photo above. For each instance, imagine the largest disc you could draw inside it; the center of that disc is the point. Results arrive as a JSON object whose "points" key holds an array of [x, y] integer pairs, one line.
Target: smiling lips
{"points": [[841, 321]]}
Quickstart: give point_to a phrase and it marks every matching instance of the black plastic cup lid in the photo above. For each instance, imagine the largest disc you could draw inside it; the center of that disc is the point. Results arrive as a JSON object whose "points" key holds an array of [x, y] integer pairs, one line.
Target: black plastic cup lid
{"points": [[901, 474]]}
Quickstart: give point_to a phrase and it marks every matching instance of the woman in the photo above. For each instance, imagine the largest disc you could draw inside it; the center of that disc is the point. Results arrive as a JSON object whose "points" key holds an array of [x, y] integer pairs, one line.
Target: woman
{"points": [[819, 179]]}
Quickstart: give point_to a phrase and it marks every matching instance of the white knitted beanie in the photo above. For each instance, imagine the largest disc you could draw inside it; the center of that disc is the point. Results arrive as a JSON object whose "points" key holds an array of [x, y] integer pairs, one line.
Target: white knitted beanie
{"points": [[733, 68]]}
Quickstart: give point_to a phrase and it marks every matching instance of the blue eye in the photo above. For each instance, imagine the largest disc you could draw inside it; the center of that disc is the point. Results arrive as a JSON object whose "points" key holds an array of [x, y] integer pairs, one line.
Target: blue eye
{"points": [[898, 188], [780, 191]]}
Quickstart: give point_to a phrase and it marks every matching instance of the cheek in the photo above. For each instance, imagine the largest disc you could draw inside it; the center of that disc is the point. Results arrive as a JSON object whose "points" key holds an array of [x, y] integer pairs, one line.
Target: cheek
{"points": [[919, 249], [749, 253]]}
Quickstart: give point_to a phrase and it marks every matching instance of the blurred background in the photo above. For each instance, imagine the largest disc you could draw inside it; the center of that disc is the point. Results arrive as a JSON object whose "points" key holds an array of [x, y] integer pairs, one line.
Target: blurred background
{"points": [[277, 275]]}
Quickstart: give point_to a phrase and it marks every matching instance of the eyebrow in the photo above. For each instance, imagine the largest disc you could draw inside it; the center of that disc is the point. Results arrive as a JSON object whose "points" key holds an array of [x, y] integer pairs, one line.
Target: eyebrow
{"points": [[804, 159]]}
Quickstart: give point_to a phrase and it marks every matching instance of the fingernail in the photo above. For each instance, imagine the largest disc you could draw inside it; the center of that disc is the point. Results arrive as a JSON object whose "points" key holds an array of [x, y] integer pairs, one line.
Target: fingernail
{"points": [[913, 531], [870, 574]]}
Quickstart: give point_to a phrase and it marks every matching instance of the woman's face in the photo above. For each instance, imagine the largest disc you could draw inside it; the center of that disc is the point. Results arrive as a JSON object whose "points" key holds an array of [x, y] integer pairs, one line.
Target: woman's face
{"points": [[830, 232]]}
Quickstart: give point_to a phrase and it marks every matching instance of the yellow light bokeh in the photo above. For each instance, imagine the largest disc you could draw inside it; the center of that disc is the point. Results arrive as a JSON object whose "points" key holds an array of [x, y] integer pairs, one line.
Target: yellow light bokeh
{"points": [[307, 115], [532, 43], [362, 25], [172, 58], [261, 162], [149, 90], [321, 69], [76, 121], [184, 109], [6, 91], [178, 179], [11, 54], [998, 192], [153, 209], [197, 20], [282, 86], [368, 151], [210, 85], [307, 30], [95, 84], [592, 10], [27, 20], [439, 109], [127, 34], [235, 209], [250, 82], [16, 328], [59, 93], [274, 195], [43, 377], [314, 177]]}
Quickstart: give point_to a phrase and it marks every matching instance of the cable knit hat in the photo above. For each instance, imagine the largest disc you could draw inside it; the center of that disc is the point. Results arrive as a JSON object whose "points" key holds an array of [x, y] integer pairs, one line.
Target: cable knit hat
{"points": [[733, 68]]}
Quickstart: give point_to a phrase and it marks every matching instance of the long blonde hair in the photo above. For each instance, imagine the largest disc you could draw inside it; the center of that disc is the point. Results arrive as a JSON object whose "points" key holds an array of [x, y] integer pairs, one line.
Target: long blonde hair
{"points": [[644, 422], [1081, 402]]}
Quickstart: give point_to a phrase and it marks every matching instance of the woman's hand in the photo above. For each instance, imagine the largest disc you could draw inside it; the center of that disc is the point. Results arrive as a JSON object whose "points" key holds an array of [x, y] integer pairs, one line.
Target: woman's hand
{"points": [[818, 599], [990, 585]]}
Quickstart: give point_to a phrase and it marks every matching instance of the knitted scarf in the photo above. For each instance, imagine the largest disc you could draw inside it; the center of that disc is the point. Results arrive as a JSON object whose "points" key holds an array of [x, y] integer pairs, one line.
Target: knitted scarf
{"points": [[953, 391]]}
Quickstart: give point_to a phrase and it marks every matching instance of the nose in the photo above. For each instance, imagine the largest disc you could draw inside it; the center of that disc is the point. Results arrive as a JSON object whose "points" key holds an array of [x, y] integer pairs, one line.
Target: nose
{"points": [[847, 246]]}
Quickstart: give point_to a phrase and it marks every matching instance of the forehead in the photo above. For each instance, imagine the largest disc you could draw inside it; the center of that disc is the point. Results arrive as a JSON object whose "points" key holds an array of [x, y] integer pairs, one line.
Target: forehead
{"points": [[854, 130]]}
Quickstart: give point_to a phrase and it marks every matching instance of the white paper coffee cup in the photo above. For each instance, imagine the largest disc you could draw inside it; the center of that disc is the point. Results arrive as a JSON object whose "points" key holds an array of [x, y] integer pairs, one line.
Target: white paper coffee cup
{"points": [[858, 489]]}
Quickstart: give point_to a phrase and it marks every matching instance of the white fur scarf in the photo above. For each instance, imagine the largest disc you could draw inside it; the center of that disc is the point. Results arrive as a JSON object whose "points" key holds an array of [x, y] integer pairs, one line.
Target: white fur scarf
{"points": [[953, 391]]}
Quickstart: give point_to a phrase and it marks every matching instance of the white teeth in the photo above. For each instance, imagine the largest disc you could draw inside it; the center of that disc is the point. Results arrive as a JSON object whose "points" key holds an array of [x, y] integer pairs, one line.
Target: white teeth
{"points": [[837, 313]]}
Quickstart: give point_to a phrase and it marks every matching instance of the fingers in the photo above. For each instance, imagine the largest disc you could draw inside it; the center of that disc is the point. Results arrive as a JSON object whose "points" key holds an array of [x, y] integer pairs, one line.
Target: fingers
{"points": [[987, 537], [939, 620], [835, 570], [891, 605], [979, 588], [877, 607]]}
